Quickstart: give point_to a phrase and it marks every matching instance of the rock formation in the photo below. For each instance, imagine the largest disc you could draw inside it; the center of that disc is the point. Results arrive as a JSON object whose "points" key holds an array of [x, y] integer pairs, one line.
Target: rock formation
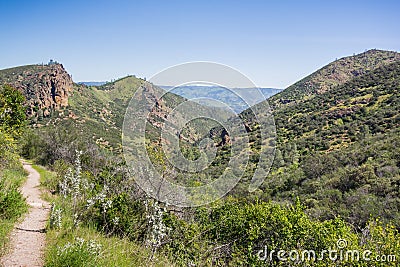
{"points": [[46, 87]]}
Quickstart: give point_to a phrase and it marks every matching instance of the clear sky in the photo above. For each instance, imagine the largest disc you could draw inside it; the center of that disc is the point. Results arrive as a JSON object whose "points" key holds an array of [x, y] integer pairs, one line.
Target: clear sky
{"points": [[274, 43]]}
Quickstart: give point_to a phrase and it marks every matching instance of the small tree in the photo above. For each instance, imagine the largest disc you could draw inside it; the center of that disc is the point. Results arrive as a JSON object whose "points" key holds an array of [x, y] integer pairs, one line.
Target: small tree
{"points": [[12, 110]]}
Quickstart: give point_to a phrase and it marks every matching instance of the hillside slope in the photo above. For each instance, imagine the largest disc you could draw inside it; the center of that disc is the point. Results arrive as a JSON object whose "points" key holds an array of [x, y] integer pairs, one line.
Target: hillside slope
{"points": [[337, 146], [98, 112], [334, 74], [366, 104]]}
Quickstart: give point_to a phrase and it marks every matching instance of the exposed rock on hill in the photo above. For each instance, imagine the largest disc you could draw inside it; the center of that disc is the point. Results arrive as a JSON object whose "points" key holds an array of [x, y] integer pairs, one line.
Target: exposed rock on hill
{"points": [[46, 87]]}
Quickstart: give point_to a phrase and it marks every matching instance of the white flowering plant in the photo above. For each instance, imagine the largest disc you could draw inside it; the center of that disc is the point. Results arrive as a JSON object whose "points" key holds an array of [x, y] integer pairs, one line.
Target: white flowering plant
{"points": [[157, 230], [55, 217]]}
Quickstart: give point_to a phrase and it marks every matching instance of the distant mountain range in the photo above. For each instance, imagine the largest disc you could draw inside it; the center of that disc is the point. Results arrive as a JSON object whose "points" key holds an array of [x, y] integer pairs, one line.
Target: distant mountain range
{"points": [[92, 83], [237, 99]]}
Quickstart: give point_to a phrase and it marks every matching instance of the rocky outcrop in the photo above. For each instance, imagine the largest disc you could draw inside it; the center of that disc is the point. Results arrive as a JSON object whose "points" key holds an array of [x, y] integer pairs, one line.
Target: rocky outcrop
{"points": [[46, 87]]}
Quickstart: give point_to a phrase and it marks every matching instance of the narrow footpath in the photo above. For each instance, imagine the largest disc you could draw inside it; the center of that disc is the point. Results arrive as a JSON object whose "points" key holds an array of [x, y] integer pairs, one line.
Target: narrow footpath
{"points": [[27, 240]]}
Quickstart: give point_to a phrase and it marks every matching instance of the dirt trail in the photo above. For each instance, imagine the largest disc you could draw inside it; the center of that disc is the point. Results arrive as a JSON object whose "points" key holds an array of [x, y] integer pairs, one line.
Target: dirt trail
{"points": [[28, 237]]}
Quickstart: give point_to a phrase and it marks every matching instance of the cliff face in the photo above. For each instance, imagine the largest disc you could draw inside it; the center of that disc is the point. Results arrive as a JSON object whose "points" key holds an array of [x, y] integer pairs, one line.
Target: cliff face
{"points": [[46, 87]]}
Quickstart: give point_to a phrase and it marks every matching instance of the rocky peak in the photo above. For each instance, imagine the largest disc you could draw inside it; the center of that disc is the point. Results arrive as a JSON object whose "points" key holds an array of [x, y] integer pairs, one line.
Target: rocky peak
{"points": [[46, 87]]}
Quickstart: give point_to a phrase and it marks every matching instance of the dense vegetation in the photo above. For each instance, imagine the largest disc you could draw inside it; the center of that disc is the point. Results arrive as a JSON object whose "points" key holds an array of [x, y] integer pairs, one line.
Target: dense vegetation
{"points": [[366, 105], [339, 151], [228, 232]]}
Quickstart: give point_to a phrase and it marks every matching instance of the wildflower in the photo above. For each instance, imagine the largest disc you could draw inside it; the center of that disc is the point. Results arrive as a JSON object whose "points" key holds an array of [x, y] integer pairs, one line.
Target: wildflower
{"points": [[80, 244], [106, 205], [115, 221], [89, 203], [76, 220], [94, 247], [73, 183], [55, 217]]}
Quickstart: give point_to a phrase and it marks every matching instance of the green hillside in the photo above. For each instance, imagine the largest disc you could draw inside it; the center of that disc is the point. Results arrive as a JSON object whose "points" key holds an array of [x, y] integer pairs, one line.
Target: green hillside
{"points": [[337, 149], [97, 112], [367, 104], [100, 111]]}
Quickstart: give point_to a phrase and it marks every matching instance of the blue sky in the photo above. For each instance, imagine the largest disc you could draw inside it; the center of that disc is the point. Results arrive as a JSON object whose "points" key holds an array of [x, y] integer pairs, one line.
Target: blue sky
{"points": [[274, 43]]}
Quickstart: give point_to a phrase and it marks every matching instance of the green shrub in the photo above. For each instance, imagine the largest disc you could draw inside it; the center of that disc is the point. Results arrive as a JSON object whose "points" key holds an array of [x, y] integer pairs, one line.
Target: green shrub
{"points": [[12, 203], [77, 253]]}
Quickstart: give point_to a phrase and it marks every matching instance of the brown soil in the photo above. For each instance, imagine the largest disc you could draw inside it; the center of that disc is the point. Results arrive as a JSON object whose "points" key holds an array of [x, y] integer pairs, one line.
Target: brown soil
{"points": [[27, 240]]}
